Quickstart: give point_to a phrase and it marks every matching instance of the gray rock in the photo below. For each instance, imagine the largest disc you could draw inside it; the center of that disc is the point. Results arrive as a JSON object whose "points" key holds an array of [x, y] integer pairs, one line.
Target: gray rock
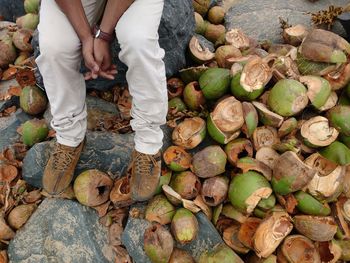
{"points": [[260, 19], [5, 85], [11, 9], [8, 128], [61, 231], [105, 151], [175, 30], [132, 237]]}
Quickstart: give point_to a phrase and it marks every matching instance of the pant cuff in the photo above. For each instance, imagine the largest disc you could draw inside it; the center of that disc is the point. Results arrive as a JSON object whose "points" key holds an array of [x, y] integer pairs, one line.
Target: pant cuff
{"points": [[66, 142], [147, 148]]}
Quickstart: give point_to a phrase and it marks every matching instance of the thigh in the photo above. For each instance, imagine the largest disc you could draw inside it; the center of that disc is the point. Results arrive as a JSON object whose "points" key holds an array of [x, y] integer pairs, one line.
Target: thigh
{"points": [[142, 17]]}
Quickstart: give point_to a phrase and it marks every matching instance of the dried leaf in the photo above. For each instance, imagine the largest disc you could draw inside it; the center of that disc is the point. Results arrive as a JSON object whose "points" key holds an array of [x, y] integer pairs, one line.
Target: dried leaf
{"points": [[51, 134], [14, 91], [291, 203], [9, 73], [122, 255], [3, 256], [115, 234], [32, 196], [102, 209], [106, 220], [10, 110], [7, 173]]}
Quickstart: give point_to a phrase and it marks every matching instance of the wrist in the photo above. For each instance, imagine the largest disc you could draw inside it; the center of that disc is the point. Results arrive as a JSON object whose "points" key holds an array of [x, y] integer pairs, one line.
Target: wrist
{"points": [[100, 34]]}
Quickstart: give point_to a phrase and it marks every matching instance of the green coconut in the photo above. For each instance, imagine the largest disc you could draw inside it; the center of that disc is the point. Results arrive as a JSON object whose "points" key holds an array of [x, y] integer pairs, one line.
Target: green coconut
{"points": [[209, 162], [224, 122], [201, 25], [311, 206], [287, 97], [336, 152], [28, 21], [318, 90], [201, 50], [216, 15], [214, 82], [31, 6], [339, 117], [159, 210], [309, 67], [238, 148], [193, 96], [186, 184], [201, 6], [251, 119], [33, 100], [92, 187], [177, 159], [181, 256], [177, 103], [247, 189], [214, 33], [163, 180], [34, 131], [287, 127], [344, 139], [267, 203], [184, 226], [192, 74], [240, 93], [290, 174], [8, 51], [324, 46], [158, 243], [189, 133], [220, 254]]}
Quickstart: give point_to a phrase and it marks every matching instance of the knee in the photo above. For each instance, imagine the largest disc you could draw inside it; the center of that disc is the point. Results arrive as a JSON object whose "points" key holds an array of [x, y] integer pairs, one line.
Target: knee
{"points": [[53, 47], [137, 41]]}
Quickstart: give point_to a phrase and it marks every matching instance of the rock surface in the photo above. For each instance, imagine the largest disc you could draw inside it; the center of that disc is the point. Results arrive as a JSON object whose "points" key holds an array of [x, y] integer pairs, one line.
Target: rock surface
{"points": [[61, 231], [260, 19], [175, 30], [105, 151], [8, 128], [11, 9], [132, 237]]}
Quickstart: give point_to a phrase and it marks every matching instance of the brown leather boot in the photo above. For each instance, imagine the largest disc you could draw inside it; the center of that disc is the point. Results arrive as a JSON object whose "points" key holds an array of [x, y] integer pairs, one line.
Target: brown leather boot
{"points": [[59, 169], [145, 174]]}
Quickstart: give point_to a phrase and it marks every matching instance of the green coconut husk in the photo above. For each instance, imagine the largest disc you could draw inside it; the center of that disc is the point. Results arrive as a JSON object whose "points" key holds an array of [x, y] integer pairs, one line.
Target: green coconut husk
{"points": [[287, 127], [214, 83], [221, 253], [177, 103], [311, 206], [337, 152], [246, 190], [319, 90], [192, 74], [34, 131], [163, 180], [339, 117], [288, 97], [240, 93]]}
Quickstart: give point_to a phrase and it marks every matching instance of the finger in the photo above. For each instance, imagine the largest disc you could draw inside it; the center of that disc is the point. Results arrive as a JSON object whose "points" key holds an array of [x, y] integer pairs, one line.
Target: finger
{"points": [[105, 75], [87, 76], [112, 71], [91, 63]]}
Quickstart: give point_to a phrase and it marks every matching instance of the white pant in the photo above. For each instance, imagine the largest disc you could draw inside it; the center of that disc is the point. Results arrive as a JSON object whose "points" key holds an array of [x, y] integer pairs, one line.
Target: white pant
{"points": [[59, 63]]}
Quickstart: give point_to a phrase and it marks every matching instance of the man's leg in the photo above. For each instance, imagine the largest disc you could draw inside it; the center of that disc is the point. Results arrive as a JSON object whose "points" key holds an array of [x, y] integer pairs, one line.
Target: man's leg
{"points": [[137, 33], [59, 63]]}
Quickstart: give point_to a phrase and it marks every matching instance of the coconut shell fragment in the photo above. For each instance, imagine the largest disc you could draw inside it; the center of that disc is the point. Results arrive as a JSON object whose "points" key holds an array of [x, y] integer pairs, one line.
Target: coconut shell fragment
{"points": [[238, 148], [268, 117], [22, 39], [158, 243], [6, 233], [297, 248], [317, 228], [177, 159], [189, 133], [294, 35], [200, 51], [247, 230], [265, 136], [271, 232], [230, 237], [290, 174]]}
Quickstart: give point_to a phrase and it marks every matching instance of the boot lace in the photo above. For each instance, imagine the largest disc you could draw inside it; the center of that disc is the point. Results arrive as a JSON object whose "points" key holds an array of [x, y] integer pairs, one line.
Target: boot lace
{"points": [[144, 163], [62, 157]]}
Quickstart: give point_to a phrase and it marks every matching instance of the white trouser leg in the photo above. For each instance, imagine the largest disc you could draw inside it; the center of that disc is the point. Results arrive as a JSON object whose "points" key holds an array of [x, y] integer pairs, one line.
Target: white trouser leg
{"points": [[137, 33], [59, 64]]}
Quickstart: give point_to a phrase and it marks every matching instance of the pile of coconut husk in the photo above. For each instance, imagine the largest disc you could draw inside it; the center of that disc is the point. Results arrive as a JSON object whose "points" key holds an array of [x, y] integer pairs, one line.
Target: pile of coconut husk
{"points": [[275, 177], [260, 145]]}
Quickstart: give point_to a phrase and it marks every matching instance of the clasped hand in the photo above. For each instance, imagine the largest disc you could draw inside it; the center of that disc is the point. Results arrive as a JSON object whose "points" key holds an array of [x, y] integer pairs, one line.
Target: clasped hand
{"points": [[98, 60]]}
